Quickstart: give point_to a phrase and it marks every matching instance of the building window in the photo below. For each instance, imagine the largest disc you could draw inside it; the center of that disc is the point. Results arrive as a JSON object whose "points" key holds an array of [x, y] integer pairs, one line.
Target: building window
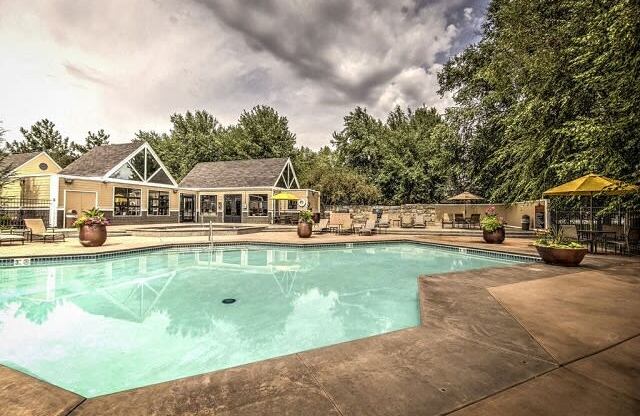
{"points": [[292, 204], [126, 201], [258, 205], [208, 204], [158, 203]]}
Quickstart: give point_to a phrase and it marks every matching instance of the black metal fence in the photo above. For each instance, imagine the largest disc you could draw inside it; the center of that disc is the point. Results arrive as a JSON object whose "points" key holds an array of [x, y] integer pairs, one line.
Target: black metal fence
{"points": [[581, 217], [13, 211], [625, 222]]}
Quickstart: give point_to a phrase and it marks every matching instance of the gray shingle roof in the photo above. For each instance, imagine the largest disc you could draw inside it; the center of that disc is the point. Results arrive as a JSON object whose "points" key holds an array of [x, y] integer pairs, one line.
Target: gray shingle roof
{"points": [[100, 160], [14, 160], [234, 174]]}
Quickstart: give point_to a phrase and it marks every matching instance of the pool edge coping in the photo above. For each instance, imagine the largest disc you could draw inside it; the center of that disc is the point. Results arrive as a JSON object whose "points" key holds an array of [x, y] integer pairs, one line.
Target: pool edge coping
{"points": [[21, 261]]}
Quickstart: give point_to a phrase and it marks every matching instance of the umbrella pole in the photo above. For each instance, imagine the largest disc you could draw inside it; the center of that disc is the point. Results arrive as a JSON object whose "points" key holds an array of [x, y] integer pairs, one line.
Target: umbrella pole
{"points": [[591, 211]]}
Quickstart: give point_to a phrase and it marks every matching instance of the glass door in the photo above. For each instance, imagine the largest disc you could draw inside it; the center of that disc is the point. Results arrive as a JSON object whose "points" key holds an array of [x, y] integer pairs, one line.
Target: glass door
{"points": [[233, 208], [187, 208]]}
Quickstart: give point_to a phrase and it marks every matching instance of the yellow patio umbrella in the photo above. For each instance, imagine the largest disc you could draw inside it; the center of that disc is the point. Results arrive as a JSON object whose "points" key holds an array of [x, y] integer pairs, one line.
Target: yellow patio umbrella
{"points": [[466, 197], [285, 196], [590, 185]]}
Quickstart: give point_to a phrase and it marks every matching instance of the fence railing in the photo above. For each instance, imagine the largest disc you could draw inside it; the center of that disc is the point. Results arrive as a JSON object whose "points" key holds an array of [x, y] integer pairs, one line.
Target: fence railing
{"points": [[582, 218], [13, 211]]}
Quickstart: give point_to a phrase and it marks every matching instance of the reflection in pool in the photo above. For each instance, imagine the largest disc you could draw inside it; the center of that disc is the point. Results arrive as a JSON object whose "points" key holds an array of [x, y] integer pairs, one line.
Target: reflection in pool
{"points": [[118, 323]]}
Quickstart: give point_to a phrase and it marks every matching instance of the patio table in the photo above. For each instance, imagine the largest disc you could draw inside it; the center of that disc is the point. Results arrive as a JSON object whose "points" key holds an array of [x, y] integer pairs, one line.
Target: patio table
{"points": [[593, 236], [396, 222]]}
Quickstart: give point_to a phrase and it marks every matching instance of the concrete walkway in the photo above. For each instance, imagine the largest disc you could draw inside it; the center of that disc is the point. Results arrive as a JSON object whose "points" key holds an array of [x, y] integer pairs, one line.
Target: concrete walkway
{"points": [[524, 340]]}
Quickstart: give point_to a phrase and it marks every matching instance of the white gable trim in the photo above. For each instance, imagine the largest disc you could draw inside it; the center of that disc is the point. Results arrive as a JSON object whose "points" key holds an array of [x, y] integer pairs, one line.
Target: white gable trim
{"points": [[291, 181], [162, 166], [142, 147], [124, 161]]}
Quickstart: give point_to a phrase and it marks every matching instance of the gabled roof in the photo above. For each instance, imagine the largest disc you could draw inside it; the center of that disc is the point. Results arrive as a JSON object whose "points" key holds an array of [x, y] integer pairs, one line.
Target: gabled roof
{"points": [[100, 160], [15, 160], [235, 174]]}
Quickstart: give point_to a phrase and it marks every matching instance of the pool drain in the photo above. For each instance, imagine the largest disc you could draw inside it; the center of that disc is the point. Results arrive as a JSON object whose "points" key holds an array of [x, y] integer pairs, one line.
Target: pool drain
{"points": [[228, 301]]}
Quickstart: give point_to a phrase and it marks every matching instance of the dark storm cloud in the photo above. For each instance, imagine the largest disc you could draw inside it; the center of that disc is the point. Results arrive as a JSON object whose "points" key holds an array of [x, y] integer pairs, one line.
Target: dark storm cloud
{"points": [[311, 60], [354, 47]]}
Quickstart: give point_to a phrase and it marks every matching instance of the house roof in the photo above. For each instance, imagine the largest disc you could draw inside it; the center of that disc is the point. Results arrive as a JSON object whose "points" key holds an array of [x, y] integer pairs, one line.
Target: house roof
{"points": [[14, 160], [100, 160], [235, 174]]}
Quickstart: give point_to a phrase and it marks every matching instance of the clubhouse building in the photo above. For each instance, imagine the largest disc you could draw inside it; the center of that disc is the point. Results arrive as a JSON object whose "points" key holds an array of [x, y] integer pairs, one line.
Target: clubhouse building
{"points": [[131, 185]]}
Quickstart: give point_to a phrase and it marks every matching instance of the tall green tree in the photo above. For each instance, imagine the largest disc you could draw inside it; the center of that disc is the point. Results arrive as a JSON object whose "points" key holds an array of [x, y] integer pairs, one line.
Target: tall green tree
{"points": [[199, 137], [548, 94], [398, 155], [195, 137], [262, 133], [43, 136], [338, 184], [100, 138]]}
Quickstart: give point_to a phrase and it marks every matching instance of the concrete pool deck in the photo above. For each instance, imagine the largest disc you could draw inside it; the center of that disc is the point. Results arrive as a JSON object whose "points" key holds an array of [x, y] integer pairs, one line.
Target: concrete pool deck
{"points": [[521, 340]]}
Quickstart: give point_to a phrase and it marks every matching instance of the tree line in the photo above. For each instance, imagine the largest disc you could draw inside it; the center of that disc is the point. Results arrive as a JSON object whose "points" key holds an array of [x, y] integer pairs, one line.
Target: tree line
{"points": [[548, 93]]}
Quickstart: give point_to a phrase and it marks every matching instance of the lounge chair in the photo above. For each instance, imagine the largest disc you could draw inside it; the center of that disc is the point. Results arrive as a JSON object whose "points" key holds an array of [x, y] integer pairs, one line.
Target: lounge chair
{"points": [[347, 226], [369, 228], [393, 219], [37, 228], [459, 221], [419, 222], [7, 236], [384, 221], [474, 221], [446, 220], [321, 226], [406, 221]]}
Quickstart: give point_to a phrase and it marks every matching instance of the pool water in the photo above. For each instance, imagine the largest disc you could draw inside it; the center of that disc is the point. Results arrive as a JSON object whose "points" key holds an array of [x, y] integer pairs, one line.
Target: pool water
{"points": [[112, 324]]}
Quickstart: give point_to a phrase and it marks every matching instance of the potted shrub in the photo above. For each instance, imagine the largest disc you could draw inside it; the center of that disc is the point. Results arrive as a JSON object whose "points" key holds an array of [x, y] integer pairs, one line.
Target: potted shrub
{"points": [[305, 224], [492, 227], [92, 228], [554, 248]]}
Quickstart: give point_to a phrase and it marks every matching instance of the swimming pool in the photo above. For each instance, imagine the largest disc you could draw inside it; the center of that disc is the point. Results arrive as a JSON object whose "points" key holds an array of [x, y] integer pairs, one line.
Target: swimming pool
{"points": [[110, 324]]}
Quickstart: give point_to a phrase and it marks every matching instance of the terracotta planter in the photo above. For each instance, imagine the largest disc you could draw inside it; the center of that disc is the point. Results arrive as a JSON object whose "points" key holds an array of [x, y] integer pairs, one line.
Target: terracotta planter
{"points": [[304, 229], [92, 235], [562, 256], [495, 237]]}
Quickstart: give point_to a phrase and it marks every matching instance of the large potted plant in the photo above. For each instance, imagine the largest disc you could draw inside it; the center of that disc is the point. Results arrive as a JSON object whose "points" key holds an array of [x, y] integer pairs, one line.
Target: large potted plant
{"points": [[555, 248], [92, 228], [305, 224], [492, 227]]}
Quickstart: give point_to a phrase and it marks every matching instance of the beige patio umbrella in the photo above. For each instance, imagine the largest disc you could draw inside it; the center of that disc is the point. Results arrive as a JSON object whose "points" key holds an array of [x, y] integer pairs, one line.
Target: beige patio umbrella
{"points": [[465, 197], [592, 184]]}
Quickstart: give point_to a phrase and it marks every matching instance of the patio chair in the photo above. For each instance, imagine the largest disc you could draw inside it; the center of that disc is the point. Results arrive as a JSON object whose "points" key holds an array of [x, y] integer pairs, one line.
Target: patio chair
{"points": [[631, 239], [446, 220], [36, 225], [347, 226], [406, 221], [419, 222], [369, 228], [384, 221], [321, 226], [7, 236], [395, 219], [459, 221], [474, 221]]}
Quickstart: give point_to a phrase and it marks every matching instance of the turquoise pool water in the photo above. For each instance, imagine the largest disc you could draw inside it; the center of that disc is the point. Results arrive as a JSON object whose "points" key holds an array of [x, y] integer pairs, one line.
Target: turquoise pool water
{"points": [[112, 324]]}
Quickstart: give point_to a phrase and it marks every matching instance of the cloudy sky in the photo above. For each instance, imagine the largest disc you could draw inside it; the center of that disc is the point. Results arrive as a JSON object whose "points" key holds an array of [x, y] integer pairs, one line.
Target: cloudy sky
{"points": [[126, 65]]}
